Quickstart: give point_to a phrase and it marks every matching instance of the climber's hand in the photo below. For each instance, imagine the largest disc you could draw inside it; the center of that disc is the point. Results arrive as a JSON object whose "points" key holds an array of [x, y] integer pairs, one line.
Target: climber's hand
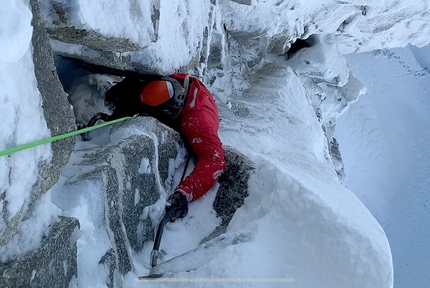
{"points": [[179, 203]]}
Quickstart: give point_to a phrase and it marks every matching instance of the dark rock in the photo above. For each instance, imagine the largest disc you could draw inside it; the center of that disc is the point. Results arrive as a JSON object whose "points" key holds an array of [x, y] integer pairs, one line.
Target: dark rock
{"points": [[92, 39], [109, 261], [52, 265], [336, 158], [233, 188], [56, 108], [132, 171]]}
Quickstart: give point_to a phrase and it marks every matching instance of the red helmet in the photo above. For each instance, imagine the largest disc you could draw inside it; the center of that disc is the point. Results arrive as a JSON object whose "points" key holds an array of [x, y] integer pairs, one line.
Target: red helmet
{"points": [[157, 92], [166, 97]]}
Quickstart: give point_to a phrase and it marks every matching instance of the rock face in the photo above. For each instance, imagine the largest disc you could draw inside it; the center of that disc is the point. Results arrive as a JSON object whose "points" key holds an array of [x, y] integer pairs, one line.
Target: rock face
{"points": [[121, 43], [56, 108], [233, 184], [59, 118], [52, 265], [134, 171], [60, 26], [233, 188], [225, 52]]}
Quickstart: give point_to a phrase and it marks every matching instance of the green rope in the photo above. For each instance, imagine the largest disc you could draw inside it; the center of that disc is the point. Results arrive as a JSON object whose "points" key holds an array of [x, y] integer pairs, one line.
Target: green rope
{"points": [[59, 137]]}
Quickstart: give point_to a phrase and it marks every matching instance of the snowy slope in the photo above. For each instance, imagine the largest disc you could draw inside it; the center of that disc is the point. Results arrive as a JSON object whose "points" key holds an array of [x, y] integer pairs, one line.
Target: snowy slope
{"points": [[305, 192], [388, 130]]}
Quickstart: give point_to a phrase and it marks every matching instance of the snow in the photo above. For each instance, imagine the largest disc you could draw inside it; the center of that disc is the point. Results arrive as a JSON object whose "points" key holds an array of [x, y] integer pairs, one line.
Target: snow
{"points": [[38, 221], [15, 19], [387, 129], [145, 166], [21, 115], [299, 224]]}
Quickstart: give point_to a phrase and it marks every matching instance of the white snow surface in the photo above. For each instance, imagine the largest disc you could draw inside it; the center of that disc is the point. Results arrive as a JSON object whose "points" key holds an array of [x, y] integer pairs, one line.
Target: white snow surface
{"points": [[21, 115], [387, 129], [299, 227]]}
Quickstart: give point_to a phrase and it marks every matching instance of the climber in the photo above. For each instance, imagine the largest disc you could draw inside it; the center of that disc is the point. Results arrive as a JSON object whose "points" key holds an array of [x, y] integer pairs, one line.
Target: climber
{"points": [[185, 104]]}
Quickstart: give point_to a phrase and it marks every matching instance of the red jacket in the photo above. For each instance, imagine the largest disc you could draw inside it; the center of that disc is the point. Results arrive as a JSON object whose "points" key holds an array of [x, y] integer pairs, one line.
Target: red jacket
{"points": [[199, 123]]}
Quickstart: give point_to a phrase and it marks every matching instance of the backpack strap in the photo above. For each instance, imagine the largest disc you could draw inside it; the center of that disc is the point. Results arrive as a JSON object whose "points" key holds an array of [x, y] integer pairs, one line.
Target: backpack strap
{"points": [[187, 83]]}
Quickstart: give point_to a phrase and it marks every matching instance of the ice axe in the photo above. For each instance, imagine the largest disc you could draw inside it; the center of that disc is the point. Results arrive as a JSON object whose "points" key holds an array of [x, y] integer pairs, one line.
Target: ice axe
{"points": [[170, 214], [156, 255]]}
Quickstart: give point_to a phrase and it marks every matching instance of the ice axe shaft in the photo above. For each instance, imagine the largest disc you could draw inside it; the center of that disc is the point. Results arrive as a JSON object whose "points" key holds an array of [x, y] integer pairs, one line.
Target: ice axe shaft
{"points": [[155, 254], [168, 216]]}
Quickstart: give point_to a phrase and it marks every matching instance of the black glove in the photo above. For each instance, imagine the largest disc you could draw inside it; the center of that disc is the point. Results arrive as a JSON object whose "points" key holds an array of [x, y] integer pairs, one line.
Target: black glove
{"points": [[179, 204]]}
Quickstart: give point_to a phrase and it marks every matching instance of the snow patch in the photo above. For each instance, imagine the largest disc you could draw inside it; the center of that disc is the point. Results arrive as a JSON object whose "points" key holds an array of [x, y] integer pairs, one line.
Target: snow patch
{"points": [[145, 166]]}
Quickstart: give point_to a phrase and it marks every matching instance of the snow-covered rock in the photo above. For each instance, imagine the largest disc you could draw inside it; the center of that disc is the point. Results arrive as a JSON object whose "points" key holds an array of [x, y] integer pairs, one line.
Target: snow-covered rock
{"points": [[304, 189], [148, 36], [122, 178], [34, 106], [278, 108], [53, 264]]}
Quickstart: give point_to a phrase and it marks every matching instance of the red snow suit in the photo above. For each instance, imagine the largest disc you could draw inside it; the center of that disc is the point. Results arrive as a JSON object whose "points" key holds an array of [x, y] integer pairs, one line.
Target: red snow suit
{"points": [[198, 122]]}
